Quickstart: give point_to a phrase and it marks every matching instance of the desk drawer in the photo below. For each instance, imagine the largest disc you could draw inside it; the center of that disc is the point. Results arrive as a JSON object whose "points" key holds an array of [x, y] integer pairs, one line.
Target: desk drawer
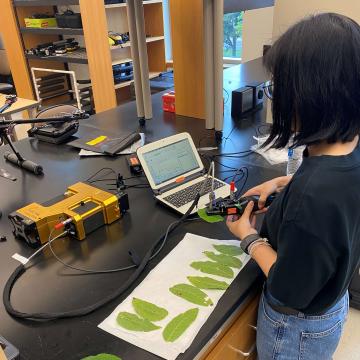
{"points": [[240, 339]]}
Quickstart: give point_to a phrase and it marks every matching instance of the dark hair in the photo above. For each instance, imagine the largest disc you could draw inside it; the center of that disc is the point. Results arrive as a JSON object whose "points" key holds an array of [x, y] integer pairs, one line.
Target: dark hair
{"points": [[315, 67]]}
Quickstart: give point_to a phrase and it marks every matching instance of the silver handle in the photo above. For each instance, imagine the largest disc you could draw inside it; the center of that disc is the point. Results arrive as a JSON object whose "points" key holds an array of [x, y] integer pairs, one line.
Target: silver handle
{"points": [[250, 351], [245, 354]]}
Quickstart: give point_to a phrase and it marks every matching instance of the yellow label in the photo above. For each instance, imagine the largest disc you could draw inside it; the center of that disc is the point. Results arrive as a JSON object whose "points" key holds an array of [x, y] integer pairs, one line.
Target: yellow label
{"points": [[97, 140]]}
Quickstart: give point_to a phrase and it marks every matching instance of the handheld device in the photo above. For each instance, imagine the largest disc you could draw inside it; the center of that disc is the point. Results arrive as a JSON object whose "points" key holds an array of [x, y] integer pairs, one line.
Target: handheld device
{"points": [[225, 207], [134, 164]]}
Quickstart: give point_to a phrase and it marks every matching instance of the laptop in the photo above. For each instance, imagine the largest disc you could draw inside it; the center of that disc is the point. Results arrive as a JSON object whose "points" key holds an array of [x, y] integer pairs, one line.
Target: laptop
{"points": [[176, 174]]}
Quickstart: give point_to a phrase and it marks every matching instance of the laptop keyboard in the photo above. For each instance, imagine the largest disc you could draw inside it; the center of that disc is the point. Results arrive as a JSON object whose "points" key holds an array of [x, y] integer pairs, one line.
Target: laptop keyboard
{"points": [[188, 194]]}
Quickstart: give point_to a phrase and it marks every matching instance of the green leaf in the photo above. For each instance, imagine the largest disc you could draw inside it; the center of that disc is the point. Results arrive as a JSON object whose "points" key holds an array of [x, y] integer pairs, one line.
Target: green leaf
{"points": [[102, 357], [204, 282], [231, 250], [227, 260], [179, 324], [213, 268], [192, 294], [209, 218], [148, 310], [135, 323]]}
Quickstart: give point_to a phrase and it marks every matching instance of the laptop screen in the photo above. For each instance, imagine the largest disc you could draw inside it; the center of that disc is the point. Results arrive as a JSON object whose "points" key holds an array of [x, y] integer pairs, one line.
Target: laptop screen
{"points": [[171, 161]]}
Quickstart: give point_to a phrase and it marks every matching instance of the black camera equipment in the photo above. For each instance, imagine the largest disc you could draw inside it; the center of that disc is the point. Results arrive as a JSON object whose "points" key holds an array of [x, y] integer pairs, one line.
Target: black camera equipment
{"points": [[15, 157]]}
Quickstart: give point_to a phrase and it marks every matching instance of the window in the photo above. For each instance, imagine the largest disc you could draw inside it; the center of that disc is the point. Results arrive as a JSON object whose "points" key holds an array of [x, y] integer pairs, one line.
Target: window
{"points": [[233, 26]]}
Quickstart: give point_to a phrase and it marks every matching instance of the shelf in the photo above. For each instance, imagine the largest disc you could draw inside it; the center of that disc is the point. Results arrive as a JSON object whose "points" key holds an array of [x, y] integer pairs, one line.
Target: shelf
{"points": [[44, 2], [52, 30], [121, 61], [112, 6], [78, 57], [152, 75], [128, 44]]}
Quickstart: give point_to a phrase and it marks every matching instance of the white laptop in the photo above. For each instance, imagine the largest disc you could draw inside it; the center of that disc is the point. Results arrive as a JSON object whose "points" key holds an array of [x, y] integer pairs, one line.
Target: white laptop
{"points": [[175, 172]]}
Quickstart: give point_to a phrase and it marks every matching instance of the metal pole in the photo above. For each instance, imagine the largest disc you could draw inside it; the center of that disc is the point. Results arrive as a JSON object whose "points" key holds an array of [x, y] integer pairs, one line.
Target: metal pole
{"points": [[143, 57], [209, 63], [218, 63], [135, 59]]}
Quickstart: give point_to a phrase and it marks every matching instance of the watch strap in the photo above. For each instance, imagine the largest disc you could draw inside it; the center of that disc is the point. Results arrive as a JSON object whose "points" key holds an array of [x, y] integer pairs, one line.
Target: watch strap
{"points": [[245, 243]]}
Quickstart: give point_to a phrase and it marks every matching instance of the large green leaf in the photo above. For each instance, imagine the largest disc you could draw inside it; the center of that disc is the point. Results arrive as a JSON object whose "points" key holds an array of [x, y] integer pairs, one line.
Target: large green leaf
{"points": [[214, 268], [148, 310], [178, 325], [209, 218], [102, 357], [231, 250], [135, 323], [204, 282], [227, 260], [192, 294]]}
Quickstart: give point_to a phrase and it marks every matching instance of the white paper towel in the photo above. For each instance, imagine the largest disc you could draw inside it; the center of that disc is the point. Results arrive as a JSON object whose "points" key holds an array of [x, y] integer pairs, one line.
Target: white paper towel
{"points": [[172, 270]]}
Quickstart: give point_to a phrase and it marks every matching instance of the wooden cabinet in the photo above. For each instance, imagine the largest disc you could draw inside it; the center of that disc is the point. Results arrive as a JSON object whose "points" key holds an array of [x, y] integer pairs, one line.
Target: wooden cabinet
{"points": [[239, 340]]}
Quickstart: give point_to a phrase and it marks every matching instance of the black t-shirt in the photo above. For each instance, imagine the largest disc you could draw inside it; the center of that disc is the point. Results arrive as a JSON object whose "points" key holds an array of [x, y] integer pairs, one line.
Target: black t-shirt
{"points": [[314, 225]]}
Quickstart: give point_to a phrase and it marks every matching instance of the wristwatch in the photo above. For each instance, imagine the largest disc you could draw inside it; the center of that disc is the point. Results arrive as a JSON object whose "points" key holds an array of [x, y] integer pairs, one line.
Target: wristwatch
{"points": [[248, 240]]}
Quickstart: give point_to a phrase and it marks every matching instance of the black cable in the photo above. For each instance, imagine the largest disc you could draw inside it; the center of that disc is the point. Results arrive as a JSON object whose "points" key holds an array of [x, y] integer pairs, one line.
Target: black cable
{"points": [[20, 270], [239, 191], [99, 171]]}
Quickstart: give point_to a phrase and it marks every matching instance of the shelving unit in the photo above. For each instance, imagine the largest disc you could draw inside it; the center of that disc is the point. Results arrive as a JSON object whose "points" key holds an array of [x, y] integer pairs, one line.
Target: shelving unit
{"points": [[152, 75], [76, 57], [44, 2], [96, 58], [117, 21], [128, 44], [121, 61], [120, 5], [52, 31]]}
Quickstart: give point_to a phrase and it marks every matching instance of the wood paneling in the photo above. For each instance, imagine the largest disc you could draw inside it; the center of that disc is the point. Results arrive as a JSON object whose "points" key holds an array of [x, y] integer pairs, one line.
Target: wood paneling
{"points": [[14, 49], [154, 22], [188, 56], [240, 336], [156, 56], [2, 355], [98, 51]]}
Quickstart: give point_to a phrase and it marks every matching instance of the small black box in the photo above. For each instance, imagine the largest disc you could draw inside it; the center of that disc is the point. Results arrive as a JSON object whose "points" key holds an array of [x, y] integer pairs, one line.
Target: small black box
{"points": [[258, 93], [241, 101]]}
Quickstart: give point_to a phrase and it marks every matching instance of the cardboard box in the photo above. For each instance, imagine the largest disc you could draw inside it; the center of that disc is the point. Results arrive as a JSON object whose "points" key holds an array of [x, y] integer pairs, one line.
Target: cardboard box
{"points": [[40, 23]]}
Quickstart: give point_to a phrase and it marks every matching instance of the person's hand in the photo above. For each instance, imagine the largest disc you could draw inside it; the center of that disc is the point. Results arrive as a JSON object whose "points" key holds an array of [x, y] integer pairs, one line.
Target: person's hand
{"points": [[267, 188], [245, 225]]}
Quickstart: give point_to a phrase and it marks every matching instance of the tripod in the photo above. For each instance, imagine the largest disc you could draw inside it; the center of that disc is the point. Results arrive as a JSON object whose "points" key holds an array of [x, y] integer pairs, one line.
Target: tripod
{"points": [[15, 157]]}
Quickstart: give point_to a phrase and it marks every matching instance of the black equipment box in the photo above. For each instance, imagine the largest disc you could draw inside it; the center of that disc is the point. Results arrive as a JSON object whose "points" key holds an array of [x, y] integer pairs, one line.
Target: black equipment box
{"points": [[69, 19], [258, 94], [241, 101], [247, 99], [55, 133]]}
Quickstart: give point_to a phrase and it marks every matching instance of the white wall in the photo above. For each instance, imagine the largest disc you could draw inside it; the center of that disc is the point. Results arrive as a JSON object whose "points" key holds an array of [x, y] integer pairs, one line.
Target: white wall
{"points": [[287, 12], [257, 32]]}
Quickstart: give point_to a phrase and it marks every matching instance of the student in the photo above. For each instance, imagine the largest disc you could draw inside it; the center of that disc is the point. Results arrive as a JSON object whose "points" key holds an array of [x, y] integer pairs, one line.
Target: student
{"points": [[313, 226]]}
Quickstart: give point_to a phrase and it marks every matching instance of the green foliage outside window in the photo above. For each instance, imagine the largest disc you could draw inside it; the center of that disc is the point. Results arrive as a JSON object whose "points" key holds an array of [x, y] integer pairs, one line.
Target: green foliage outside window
{"points": [[233, 26]]}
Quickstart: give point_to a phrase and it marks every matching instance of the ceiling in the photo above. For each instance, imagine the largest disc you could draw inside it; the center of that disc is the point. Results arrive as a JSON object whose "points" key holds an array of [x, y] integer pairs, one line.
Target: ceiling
{"points": [[240, 5]]}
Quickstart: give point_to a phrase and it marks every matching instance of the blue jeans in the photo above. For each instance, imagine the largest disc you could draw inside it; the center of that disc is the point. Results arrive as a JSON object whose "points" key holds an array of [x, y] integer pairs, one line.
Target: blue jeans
{"points": [[300, 337]]}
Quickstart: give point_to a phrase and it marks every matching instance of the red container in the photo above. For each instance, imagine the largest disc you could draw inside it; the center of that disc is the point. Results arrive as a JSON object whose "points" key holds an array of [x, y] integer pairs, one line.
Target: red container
{"points": [[168, 100]]}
